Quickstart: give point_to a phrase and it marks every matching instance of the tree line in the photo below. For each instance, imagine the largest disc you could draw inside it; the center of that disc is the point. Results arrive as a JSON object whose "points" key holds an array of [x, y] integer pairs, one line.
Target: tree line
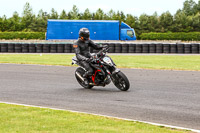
{"points": [[186, 19]]}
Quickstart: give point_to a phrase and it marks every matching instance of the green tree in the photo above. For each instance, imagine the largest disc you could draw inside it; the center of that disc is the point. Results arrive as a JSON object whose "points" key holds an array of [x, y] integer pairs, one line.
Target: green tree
{"points": [[154, 20], [198, 7], [166, 21], [41, 21], [33, 27], [130, 20], [4, 23], [27, 17], [99, 15], [196, 22], [14, 22], [87, 15], [111, 14], [181, 22], [1, 24], [53, 14], [145, 24], [190, 7], [69, 15], [122, 17], [63, 15], [117, 16], [185, 20], [74, 13]]}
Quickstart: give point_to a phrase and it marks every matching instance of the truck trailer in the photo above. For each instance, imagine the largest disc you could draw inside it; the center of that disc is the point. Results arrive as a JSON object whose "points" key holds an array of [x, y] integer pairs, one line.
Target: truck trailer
{"points": [[99, 29]]}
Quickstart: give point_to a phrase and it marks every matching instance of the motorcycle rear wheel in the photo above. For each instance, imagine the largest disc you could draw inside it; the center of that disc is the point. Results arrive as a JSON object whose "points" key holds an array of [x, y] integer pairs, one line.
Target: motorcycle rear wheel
{"points": [[81, 71], [121, 81]]}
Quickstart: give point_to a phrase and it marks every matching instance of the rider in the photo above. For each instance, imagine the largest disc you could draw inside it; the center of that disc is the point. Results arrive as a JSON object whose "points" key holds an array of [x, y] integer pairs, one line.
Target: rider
{"points": [[81, 48]]}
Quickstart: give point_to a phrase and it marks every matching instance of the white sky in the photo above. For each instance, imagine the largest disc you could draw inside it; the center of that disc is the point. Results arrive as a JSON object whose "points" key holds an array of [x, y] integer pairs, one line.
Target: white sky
{"points": [[134, 7]]}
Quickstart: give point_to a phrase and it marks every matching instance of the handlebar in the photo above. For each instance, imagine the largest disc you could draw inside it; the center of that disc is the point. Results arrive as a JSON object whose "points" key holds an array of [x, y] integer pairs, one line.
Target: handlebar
{"points": [[101, 53], [104, 49]]}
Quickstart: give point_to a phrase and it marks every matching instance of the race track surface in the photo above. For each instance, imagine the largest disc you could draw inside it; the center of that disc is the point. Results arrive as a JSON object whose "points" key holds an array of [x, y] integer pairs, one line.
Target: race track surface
{"points": [[160, 96]]}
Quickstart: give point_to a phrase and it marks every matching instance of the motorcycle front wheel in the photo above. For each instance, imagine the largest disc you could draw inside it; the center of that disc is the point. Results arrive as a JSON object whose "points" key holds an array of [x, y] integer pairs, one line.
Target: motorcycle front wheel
{"points": [[121, 81]]}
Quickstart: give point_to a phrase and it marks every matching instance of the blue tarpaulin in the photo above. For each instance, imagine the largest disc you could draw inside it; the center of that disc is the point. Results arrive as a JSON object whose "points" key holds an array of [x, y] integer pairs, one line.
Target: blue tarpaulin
{"points": [[68, 29]]}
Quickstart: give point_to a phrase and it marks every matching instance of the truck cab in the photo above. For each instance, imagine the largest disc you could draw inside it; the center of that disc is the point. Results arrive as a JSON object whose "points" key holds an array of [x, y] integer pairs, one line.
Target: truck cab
{"points": [[126, 32]]}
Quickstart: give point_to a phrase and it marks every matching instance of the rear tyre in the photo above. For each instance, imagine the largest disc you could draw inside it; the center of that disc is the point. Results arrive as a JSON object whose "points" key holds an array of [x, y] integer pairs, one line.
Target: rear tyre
{"points": [[81, 71], [121, 81]]}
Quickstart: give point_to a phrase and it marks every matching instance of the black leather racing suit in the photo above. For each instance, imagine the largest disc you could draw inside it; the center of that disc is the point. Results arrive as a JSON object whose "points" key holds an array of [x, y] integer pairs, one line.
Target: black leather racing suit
{"points": [[83, 54]]}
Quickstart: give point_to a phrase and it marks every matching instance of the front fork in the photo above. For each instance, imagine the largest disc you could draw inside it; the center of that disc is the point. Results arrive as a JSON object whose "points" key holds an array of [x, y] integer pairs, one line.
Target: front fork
{"points": [[114, 75]]}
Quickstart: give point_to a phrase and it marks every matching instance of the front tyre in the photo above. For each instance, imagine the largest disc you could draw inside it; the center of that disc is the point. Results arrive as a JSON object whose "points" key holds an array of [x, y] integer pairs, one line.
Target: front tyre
{"points": [[81, 71], [121, 81]]}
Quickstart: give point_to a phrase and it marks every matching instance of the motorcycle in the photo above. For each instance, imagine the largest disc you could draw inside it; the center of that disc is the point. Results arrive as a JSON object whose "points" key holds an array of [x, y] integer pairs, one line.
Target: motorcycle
{"points": [[105, 71]]}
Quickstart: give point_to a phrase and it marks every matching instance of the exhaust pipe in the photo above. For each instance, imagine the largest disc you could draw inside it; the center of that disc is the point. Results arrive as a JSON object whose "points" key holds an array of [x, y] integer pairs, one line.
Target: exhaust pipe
{"points": [[78, 74]]}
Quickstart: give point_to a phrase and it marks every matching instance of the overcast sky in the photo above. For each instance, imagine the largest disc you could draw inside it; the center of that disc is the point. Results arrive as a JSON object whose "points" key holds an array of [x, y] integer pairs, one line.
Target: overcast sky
{"points": [[134, 7]]}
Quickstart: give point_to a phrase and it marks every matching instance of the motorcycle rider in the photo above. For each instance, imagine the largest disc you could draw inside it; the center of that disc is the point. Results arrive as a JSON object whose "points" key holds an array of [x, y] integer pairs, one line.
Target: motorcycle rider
{"points": [[82, 52]]}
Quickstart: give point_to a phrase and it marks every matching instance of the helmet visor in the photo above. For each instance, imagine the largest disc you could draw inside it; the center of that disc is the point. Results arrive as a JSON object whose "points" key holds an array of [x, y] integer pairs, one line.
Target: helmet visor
{"points": [[86, 37]]}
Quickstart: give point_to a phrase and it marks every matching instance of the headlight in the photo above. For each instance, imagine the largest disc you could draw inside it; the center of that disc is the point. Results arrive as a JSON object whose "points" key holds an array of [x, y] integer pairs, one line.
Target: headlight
{"points": [[107, 60]]}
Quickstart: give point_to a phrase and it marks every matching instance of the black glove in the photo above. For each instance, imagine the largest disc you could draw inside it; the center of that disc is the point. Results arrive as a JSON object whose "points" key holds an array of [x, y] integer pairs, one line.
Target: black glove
{"points": [[89, 60], [105, 46]]}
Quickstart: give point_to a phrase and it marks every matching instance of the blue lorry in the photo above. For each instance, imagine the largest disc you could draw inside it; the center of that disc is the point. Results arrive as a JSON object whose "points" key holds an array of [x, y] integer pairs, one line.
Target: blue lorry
{"points": [[99, 29]]}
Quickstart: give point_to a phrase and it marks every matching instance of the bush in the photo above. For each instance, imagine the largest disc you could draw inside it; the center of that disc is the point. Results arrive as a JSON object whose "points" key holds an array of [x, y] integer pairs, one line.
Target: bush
{"points": [[191, 36], [22, 35]]}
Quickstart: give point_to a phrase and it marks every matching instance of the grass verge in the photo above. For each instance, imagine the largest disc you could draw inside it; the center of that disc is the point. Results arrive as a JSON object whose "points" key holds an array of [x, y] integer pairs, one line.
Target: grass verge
{"points": [[22, 119], [167, 62]]}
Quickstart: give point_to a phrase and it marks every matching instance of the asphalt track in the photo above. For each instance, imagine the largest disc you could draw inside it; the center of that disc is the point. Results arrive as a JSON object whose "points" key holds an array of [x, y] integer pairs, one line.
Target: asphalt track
{"points": [[159, 96]]}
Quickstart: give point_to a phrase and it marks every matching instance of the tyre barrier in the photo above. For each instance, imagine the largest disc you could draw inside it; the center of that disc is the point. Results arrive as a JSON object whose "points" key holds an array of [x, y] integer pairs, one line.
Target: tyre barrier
{"points": [[118, 48], [4, 47], [60, 48], [53, 48], [152, 48], [165, 48], [18, 48], [180, 48], [159, 48], [145, 48], [11, 48], [25, 48], [32, 48], [125, 48], [67, 48], [187, 48], [173, 48], [46, 48], [138, 48], [131, 48], [39, 48], [195, 48], [111, 47]]}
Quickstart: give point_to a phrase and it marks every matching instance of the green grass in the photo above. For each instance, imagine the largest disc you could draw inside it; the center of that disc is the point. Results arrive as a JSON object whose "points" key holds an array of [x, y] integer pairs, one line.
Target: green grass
{"points": [[169, 62], [22, 119]]}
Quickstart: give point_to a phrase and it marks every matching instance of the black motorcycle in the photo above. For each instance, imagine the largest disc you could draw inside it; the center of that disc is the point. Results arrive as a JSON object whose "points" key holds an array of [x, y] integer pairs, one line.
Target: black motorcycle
{"points": [[105, 71]]}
